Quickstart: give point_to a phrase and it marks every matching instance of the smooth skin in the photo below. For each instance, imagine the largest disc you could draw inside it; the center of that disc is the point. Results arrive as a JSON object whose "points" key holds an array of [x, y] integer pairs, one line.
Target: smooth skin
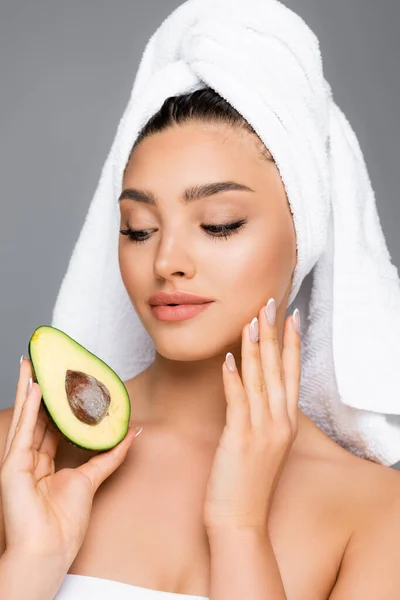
{"points": [[332, 517]]}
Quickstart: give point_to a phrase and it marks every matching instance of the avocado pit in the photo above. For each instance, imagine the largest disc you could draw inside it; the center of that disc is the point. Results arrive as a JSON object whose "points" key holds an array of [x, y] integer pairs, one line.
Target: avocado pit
{"points": [[88, 398]]}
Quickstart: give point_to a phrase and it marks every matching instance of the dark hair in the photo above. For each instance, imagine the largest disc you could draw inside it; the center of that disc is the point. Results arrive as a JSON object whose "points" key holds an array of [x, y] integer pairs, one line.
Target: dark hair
{"points": [[204, 105]]}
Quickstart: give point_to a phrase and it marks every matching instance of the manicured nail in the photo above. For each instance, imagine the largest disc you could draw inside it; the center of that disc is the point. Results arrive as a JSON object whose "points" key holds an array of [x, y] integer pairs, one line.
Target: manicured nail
{"points": [[21, 359], [230, 361], [254, 330], [270, 311], [296, 319], [29, 384], [138, 431]]}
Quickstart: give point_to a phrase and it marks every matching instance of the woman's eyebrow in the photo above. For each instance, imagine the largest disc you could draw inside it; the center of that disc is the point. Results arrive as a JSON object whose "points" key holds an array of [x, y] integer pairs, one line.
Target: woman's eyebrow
{"points": [[189, 195]]}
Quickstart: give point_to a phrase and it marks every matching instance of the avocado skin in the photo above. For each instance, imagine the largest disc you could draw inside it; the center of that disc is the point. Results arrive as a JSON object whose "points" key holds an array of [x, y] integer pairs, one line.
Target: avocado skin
{"points": [[99, 451]]}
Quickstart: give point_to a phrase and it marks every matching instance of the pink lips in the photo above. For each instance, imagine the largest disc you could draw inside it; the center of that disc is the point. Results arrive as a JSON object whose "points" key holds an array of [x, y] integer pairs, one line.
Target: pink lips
{"points": [[186, 305], [176, 297], [179, 312]]}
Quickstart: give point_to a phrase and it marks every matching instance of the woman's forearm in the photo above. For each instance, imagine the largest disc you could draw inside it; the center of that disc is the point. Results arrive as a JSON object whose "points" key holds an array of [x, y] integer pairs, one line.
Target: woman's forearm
{"points": [[30, 578], [243, 565]]}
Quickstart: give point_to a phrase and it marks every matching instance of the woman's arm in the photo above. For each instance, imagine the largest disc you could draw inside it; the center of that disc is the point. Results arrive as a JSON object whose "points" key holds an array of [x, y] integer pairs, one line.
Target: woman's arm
{"points": [[29, 577], [243, 565], [370, 567]]}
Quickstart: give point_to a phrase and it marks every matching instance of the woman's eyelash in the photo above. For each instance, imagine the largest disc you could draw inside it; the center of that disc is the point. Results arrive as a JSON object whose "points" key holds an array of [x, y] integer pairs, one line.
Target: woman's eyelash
{"points": [[213, 231]]}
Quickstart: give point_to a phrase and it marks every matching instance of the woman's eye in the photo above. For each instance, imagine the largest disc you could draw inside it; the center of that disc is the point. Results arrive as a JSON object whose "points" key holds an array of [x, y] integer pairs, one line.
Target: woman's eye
{"points": [[225, 230], [135, 235], [213, 231]]}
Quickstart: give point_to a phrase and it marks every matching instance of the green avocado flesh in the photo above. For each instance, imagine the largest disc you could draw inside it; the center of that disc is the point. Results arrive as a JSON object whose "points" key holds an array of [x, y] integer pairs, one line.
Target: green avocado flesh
{"points": [[84, 398]]}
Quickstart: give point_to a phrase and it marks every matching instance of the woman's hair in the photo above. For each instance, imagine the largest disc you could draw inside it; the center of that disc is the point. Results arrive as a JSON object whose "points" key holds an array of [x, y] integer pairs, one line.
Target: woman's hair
{"points": [[204, 105]]}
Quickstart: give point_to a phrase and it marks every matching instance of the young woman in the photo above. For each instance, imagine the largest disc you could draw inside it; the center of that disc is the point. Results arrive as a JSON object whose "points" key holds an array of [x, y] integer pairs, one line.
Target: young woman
{"points": [[230, 491]]}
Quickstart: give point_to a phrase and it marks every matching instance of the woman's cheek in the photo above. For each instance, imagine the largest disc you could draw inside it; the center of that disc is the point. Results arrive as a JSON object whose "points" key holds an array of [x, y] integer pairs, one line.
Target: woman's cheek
{"points": [[256, 270]]}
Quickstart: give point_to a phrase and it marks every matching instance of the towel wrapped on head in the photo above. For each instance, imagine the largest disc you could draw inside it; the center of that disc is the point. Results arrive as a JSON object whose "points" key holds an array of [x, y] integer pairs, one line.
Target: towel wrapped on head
{"points": [[266, 62]]}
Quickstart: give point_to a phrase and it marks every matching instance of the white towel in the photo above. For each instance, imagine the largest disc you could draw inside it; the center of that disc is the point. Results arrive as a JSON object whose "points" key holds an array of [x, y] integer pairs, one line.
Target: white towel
{"points": [[265, 60]]}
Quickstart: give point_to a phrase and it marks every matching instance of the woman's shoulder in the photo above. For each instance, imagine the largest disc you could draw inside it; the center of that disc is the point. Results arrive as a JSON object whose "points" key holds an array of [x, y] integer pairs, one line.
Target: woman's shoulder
{"points": [[361, 501], [363, 487], [374, 488]]}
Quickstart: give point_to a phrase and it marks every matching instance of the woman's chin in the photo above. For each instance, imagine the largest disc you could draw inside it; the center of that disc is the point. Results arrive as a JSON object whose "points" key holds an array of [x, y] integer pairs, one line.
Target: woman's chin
{"points": [[188, 350]]}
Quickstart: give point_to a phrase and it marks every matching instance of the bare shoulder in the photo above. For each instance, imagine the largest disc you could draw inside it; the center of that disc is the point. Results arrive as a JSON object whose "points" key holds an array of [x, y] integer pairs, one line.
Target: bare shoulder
{"points": [[370, 565], [369, 485], [374, 491], [349, 490], [378, 483], [361, 499], [366, 484]]}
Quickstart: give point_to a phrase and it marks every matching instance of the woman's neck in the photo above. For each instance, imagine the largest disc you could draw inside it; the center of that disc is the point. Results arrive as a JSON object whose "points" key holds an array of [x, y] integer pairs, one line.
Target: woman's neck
{"points": [[189, 398], [185, 396]]}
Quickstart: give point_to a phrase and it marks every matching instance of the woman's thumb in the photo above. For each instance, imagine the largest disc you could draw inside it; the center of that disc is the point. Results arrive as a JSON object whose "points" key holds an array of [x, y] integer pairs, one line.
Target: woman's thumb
{"points": [[98, 468]]}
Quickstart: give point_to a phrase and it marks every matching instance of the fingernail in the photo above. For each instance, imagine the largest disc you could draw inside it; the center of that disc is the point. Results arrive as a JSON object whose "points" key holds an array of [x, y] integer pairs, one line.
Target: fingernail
{"points": [[270, 311], [29, 384], [230, 361], [138, 431], [296, 319], [21, 359], [254, 330]]}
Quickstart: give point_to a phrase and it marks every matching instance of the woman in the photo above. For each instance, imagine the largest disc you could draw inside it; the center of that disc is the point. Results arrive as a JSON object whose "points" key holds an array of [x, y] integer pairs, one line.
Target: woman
{"points": [[231, 491]]}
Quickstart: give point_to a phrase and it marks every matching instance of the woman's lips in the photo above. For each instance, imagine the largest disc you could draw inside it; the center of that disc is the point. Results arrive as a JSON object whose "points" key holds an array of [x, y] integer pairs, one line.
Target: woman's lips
{"points": [[179, 312]]}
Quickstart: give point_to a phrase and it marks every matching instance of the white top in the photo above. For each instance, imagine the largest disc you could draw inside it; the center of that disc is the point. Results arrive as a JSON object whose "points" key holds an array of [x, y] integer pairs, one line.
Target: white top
{"points": [[82, 587]]}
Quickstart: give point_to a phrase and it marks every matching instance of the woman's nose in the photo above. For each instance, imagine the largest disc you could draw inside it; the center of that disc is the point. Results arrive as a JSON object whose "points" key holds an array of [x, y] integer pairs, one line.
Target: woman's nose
{"points": [[174, 258]]}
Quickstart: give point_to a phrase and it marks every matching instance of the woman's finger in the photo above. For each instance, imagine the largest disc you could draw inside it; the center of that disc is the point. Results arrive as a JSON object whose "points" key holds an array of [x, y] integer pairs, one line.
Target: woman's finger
{"points": [[238, 410], [24, 431], [274, 374], [291, 358], [25, 372], [253, 377]]}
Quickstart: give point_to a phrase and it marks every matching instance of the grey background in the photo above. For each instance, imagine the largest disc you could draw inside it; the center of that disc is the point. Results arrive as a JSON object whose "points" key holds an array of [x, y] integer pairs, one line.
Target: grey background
{"points": [[66, 71]]}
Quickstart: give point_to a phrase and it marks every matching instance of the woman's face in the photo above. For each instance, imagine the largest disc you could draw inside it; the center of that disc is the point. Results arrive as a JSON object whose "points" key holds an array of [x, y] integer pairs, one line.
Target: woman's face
{"points": [[240, 271]]}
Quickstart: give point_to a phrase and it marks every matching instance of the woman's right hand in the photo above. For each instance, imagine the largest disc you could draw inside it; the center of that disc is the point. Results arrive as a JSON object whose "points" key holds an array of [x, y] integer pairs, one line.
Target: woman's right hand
{"points": [[46, 513]]}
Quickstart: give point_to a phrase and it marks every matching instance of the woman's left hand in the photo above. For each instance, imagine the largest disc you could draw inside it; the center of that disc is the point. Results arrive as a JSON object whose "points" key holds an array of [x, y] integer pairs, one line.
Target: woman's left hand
{"points": [[261, 426]]}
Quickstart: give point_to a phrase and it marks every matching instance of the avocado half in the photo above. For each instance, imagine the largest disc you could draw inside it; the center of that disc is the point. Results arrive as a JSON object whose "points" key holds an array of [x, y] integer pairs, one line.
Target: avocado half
{"points": [[84, 398]]}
